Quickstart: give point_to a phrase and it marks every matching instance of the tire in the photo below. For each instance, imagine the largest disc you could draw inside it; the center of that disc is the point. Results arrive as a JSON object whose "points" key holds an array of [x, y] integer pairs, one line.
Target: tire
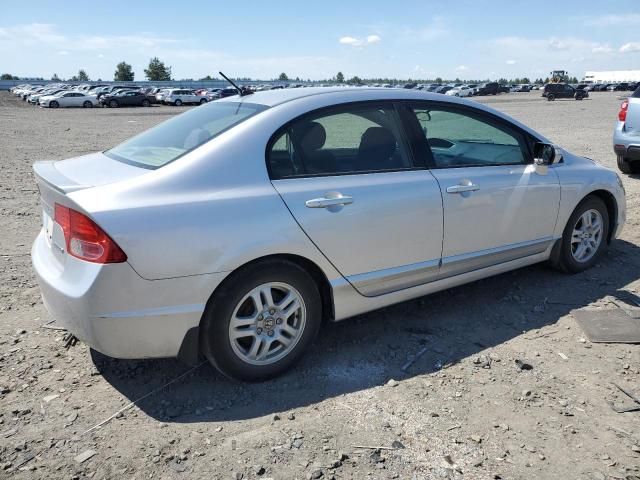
{"points": [[87, 104], [53, 104], [579, 97], [178, 102], [628, 167], [113, 104], [146, 103], [231, 357], [566, 260], [203, 101], [551, 97]]}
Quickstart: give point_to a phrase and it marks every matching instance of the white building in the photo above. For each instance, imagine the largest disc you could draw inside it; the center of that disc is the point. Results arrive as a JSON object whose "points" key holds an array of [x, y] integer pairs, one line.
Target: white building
{"points": [[612, 76]]}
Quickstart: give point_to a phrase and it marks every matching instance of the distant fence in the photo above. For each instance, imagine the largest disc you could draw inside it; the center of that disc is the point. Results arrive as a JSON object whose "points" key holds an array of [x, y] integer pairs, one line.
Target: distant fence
{"points": [[7, 84]]}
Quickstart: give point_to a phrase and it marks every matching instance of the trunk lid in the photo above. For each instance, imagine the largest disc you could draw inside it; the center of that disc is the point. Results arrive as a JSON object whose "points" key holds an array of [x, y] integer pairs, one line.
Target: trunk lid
{"points": [[57, 179]]}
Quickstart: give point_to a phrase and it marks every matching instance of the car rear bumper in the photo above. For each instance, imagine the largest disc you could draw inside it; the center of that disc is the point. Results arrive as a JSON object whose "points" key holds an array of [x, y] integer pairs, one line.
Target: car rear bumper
{"points": [[114, 310], [626, 145]]}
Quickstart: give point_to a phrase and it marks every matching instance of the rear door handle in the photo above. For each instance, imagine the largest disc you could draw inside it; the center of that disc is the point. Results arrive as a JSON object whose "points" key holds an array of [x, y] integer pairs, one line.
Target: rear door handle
{"points": [[331, 199], [471, 187]]}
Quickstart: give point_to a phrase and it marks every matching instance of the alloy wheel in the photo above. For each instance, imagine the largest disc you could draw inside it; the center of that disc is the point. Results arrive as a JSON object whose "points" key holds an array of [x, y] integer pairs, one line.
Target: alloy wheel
{"points": [[267, 323], [587, 236]]}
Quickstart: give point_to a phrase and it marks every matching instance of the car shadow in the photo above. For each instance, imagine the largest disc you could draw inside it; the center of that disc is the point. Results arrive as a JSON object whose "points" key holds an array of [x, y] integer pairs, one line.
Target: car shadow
{"points": [[370, 349]]}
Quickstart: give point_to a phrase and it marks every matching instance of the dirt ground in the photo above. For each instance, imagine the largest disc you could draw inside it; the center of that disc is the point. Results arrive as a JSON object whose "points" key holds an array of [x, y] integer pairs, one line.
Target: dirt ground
{"points": [[463, 409]]}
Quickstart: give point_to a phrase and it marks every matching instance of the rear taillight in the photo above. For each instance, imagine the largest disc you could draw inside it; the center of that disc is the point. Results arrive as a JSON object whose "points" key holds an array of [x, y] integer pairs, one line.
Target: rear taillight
{"points": [[85, 239], [622, 114]]}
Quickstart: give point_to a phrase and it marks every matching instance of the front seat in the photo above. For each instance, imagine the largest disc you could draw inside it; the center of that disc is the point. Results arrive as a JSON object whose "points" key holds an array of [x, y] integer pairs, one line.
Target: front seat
{"points": [[310, 138], [377, 149]]}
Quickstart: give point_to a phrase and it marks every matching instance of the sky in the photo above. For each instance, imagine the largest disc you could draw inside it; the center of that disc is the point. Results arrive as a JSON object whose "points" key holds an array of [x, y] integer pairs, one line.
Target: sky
{"points": [[475, 39]]}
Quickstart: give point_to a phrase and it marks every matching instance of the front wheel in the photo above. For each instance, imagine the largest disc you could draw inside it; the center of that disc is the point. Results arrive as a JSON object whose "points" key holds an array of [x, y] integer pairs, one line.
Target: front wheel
{"points": [[261, 320], [113, 104], [203, 100], [146, 103], [87, 104], [551, 97], [178, 103], [584, 239], [54, 104]]}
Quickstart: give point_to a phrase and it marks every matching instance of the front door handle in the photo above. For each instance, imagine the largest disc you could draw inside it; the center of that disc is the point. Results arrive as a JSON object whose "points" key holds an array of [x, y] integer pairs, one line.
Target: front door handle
{"points": [[462, 188], [331, 199]]}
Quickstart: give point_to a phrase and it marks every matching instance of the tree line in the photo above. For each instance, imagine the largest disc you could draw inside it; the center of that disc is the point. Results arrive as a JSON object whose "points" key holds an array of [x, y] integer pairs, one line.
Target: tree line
{"points": [[157, 71]]}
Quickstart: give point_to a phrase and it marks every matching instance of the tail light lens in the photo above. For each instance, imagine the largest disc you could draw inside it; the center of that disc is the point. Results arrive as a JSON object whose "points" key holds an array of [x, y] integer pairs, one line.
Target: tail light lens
{"points": [[85, 239], [622, 114]]}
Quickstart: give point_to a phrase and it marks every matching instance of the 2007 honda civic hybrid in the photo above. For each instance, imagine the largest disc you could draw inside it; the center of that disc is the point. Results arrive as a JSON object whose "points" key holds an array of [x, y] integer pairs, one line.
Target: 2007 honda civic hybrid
{"points": [[233, 230]]}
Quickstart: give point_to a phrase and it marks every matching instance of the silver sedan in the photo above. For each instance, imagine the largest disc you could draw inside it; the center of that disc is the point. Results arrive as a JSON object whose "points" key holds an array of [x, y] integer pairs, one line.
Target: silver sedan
{"points": [[233, 230]]}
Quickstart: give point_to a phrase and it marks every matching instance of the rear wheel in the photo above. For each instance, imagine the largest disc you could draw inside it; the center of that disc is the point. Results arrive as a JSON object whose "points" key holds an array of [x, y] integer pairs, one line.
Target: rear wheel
{"points": [[113, 104], [584, 239], [627, 166], [551, 97], [261, 320], [178, 102], [87, 104], [203, 100], [146, 103]]}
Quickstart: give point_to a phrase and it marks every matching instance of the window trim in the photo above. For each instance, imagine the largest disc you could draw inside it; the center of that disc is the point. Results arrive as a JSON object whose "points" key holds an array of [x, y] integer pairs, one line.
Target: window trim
{"points": [[340, 108], [524, 138]]}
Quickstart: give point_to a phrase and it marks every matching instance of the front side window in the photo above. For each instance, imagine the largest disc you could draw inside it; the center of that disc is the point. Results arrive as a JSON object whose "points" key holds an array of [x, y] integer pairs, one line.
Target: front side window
{"points": [[465, 139], [181, 134], [350, 139]]}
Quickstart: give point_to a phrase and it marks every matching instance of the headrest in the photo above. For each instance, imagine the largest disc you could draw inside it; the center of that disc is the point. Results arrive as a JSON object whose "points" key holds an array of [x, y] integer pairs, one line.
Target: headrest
{"points": [[311, 136]]}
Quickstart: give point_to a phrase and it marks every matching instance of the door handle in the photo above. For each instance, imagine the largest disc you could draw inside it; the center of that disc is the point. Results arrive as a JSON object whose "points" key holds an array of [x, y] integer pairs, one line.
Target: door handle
{"points": [[332, 199], [470, 187]]}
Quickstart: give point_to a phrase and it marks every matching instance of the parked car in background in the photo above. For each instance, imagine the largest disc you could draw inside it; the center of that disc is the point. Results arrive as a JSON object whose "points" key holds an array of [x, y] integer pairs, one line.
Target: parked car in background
{"points": [[34, 98], [68, 99], [461, 91], [127, 99], [490, 88], [179, 97], [254, 206], [626, 135], [553, 91]]}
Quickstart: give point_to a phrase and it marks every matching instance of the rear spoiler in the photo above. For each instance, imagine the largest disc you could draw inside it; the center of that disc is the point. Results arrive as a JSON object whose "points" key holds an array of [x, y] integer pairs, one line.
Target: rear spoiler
{"points": [[47, 173]]}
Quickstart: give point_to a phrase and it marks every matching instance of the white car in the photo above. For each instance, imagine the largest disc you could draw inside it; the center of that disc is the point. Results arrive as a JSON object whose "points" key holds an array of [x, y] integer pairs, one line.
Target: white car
{"points": [[68, 99], [178, 97], [461, 91]]}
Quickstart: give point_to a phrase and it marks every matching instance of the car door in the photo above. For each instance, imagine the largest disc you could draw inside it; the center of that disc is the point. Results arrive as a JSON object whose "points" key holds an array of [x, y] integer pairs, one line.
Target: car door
{"points": [[347, 176], [498, 206]]}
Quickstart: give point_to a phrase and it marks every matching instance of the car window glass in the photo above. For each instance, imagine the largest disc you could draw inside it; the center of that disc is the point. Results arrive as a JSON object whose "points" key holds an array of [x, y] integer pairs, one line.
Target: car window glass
{"points": [[458, 139], [175, 137], [354, 139]]}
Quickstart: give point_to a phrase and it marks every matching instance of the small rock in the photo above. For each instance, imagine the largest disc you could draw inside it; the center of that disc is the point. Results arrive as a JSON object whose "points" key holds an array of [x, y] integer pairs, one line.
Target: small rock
{"points": [[291, 416], [397, 444], [297, 443], [635, 448], [522, 365], [50, 398], [342, 456], [392, 383], [72, 417], [84, 456], [258, 469], [276, 417], [316, 474], [238, 476], [476, 438]]}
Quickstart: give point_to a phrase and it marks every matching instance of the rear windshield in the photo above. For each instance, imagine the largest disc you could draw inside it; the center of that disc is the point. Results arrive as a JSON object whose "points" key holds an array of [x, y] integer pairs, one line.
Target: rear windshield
{"points": [[175, 137], [636, 94]]}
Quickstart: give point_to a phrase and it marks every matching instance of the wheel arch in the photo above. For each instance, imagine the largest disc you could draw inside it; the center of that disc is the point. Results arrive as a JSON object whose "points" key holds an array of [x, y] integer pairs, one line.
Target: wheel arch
{"points": [[190, 349], [612, 209]]}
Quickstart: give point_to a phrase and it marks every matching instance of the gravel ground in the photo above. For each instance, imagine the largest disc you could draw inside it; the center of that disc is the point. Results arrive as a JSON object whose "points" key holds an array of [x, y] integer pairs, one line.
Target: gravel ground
{"points": [[464, 409]]}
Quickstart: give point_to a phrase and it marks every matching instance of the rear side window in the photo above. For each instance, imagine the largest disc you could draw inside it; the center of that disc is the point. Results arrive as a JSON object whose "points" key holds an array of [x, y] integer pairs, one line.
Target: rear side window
{"points": [[636, 94], [345, 140], [181, 134]]}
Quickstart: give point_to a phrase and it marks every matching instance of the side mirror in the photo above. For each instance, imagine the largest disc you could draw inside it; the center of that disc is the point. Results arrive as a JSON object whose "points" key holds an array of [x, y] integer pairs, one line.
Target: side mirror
{"points": [[544, 154]]}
